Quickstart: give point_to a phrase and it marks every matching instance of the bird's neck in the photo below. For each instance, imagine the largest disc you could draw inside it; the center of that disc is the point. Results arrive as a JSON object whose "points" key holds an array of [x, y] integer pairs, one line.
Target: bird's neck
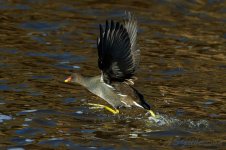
{"points": [[82, 80], [87, 81]]}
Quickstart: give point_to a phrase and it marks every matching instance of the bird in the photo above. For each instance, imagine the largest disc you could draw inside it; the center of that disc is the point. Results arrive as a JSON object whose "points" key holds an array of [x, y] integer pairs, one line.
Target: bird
{"points": [[118, 60]]}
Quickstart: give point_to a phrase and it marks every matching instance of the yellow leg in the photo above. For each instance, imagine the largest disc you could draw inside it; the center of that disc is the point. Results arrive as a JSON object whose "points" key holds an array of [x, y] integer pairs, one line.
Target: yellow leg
{"points": [[152, 113], [116, 111]]}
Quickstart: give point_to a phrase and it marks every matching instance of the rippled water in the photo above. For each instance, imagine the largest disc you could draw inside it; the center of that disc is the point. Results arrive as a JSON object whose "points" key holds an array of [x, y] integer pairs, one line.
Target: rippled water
{"points": [[182, 74]]}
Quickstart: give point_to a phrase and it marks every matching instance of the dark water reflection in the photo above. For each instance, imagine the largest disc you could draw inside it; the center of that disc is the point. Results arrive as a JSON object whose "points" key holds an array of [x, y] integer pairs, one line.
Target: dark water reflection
{"points": [[182, 74]]}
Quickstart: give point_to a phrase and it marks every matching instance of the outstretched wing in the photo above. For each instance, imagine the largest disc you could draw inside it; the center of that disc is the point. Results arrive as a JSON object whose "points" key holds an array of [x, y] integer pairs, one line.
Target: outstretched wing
{"points": [[130, 24], [117, 50]]}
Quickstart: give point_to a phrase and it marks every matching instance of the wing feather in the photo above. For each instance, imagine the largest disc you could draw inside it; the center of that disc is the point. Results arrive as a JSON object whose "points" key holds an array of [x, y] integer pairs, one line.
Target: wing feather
{"points": [[118, 56]]}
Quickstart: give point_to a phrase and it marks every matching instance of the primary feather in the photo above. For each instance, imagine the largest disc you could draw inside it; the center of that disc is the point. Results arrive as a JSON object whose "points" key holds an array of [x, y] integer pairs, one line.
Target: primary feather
{"points": [[117, 51]]}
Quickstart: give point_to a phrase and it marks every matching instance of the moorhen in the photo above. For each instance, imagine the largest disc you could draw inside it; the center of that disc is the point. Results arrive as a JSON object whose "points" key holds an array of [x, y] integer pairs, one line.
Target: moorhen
{"points": [[118, 59]]}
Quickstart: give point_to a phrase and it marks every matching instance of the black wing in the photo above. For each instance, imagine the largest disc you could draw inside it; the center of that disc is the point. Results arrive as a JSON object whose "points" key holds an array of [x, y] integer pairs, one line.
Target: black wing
{"points": [[118, 56]]}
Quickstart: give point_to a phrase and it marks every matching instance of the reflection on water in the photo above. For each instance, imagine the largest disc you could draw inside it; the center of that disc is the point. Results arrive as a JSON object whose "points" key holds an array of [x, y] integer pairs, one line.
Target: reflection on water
{"points": [[4, 117], [182, 74]]}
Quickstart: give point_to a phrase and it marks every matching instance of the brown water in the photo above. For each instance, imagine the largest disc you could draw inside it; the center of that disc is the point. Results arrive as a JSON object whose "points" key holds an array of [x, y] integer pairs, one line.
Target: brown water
{"points": [[182, 74]]}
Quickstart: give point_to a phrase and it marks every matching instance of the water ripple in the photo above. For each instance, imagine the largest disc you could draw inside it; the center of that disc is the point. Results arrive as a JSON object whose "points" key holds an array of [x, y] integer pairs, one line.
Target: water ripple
{"points": [[4, 117], [30, 131], [41, 26]]}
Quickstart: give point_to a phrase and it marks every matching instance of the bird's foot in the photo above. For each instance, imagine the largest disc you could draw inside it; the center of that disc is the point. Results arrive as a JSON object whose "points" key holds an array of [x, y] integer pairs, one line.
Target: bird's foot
{"points": [[99, 106], [152, 113]]}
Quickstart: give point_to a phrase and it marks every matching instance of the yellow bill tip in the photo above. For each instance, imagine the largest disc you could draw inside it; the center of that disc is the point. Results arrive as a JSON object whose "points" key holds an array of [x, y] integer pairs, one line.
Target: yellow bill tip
{"points": [[68, 79]]}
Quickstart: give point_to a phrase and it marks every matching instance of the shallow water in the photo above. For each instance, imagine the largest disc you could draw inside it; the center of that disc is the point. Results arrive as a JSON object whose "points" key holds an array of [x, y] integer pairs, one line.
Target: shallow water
{"points": [[182, 75]]}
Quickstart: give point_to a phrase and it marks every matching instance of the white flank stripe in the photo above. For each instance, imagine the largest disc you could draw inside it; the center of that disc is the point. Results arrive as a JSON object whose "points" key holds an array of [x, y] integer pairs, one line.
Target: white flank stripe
{"points": [[121, 95], [137, 104], [109, 86], [125, 104], [101, 77]]}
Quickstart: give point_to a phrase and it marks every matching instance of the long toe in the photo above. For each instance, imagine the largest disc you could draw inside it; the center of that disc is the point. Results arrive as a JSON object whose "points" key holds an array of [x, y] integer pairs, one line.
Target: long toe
{"points": [[99, 106]]}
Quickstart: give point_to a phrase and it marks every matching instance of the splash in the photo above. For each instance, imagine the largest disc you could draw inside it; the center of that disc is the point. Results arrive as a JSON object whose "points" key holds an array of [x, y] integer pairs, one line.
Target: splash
{"points": [[167, 121]]}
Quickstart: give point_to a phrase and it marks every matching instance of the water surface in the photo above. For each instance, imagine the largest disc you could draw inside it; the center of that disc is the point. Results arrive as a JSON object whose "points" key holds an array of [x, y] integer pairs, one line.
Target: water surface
{"points": [[182, 75]]}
